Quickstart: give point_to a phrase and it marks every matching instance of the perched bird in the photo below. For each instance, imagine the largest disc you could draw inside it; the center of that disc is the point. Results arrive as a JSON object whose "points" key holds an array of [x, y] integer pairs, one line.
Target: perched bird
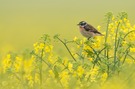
{"points": [[88, 31]]}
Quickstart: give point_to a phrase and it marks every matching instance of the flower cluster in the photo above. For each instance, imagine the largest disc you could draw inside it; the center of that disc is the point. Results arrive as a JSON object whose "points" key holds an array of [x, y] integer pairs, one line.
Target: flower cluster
{"points": [[92, 63]]}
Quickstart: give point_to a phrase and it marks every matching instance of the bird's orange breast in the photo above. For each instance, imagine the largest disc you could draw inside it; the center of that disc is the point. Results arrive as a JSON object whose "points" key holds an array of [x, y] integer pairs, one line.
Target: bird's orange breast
{"points": [[81, 28]]}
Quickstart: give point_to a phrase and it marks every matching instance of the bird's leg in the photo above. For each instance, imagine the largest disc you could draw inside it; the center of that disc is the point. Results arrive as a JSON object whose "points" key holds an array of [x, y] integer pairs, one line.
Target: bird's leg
{"points": [[89, 38]]}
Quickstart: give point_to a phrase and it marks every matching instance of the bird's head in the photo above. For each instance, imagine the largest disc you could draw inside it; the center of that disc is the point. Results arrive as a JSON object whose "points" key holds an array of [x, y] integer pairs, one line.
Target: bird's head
{"points": [[82, 23]]}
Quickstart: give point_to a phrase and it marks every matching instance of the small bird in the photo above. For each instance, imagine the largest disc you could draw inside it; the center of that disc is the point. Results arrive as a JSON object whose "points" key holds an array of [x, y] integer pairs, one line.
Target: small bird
{"points": [[87, 30]]}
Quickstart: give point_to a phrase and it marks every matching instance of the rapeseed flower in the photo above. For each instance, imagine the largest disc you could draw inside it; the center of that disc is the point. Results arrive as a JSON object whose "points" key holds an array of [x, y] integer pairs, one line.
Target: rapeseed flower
{"points": [[7, 63], [64, 78], [104, 77], [70, 67], [80, 71], [17, 64]]}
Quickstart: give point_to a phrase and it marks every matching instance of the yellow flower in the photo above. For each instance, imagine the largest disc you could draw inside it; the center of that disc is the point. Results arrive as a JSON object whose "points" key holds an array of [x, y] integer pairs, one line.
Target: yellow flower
{"points": [[41, 46], [35, 44], [91, 59], [134, 27], [95, 45], [85, 54], [78, 46], [86, 47], [125, 20], [51, 59], [7, 63], [130, 61], [48, 48], [120, 21], [51, 73], [8, 56], [70, 66], [104, 76], [80, 71], [65, 61], [84, 40], [64, 78], [36, 47], [113, 18], [28, 65], [124, 43], [132, 49], [125, 30], [75, 38], [99, 27], [37, 80], [116, 22], [111, 25], [128, 25], [30, 80], [75, 56], [17, 64], [94, 73], [74, 74], [81, 42]]}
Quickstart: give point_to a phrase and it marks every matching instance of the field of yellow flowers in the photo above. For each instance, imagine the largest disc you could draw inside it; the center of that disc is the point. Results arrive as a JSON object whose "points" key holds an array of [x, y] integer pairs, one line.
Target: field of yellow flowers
{"points": [[106, 62]]}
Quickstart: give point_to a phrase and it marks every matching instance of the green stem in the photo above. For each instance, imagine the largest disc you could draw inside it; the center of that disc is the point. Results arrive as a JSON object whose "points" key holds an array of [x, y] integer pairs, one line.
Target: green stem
{"points": [[108, 69], [125, 53], [97, 58], [115, 47], [66, 48], [126, 36], [43, 60], [128, 33], [125, 57], [131, 56], [106, 36], [41, 68]]}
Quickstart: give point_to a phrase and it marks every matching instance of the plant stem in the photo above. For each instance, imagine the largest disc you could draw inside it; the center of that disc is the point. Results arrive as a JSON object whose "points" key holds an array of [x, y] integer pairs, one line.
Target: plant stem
{"points": [[97, 58], [131, 56], [126, 54], [41, 68], [125, 57], [66, 48], [106, 36], [115, 47], [43, 61], [128, 33]]}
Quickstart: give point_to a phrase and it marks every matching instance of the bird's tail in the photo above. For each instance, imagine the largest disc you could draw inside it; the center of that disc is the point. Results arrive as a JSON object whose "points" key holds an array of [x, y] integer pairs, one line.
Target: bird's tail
{"points": [[102, 35]]}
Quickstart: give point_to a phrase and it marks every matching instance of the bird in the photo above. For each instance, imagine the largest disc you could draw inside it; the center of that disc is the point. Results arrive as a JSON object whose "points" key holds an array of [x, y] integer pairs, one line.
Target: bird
{"points": [[88, 30]]}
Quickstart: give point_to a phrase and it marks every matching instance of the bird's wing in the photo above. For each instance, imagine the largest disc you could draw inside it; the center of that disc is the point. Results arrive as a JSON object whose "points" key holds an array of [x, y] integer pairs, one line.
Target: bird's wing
{"points": [[91, 29]]}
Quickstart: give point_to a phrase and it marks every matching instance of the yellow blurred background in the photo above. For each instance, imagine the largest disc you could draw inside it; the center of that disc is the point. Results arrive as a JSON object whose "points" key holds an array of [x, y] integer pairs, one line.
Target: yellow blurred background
{"points": [[22, 22]]}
